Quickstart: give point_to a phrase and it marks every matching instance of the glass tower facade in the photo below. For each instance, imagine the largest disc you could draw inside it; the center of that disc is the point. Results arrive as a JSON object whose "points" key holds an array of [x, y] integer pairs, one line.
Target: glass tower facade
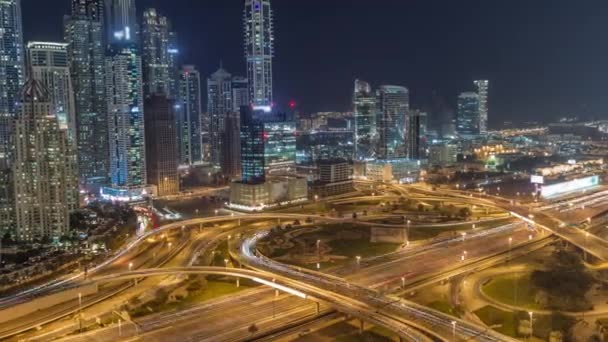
{"points": [[158, 54], [364, 111], [393, 108], [189, 116], [11, 81], [253, 160], [259, 50], [468, 114]]}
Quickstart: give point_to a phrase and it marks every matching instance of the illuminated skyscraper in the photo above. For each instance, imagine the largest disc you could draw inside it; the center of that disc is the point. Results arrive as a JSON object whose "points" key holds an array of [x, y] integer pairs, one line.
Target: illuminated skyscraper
{"points": [[83, 31], [259, 50], [364, 101], [230, 157], [11, 81], [126, 122], [44, 168], [49, 64], [189, 120], [482, 92], [393, 107], [468, 114], [219, 105], [416, 134], [160, 71]]}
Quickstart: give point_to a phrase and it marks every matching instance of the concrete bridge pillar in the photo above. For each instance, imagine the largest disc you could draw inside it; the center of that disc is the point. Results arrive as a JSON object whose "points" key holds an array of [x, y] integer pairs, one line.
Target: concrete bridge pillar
{"points": [[361, 326]]}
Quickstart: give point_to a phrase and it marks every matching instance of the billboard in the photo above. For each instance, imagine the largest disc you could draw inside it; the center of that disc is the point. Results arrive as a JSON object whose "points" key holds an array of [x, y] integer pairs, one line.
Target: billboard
{"points": [[569, 186], [535, 179]]}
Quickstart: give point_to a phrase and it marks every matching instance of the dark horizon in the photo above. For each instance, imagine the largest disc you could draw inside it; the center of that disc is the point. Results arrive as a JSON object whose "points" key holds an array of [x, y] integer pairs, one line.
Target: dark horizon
{"points": [[543, 61]]}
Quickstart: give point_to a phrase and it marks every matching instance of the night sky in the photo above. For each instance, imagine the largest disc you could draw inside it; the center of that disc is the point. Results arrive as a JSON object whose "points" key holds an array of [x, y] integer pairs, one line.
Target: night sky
{"points": [[544, 58]]}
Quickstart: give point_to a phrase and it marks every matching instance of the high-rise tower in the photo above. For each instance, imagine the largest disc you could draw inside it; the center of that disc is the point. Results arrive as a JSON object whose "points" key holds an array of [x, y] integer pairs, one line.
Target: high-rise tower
{"points": [[482, 92], [189, 116], [393, 107], [11, 81], [158, 49], [364, 103], [84, 32], [259, 50], [44, 167], [48, 62], [468, 114]]}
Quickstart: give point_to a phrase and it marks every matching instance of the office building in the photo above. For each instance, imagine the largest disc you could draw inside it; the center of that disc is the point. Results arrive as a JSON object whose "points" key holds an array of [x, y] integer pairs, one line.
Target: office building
{"points": [[161, 144], [416, 135], [48, 63], [482, 91], [280, 147], [126, 123], [335, 177], [397, 170], [83, 32], [253, 159], [158, 50], [442, 154], [11, 81], [219, 105], [467, 123], [44, 168], [189, 116], [259, 50], [364, 113], [393, 107], [230, 156]]}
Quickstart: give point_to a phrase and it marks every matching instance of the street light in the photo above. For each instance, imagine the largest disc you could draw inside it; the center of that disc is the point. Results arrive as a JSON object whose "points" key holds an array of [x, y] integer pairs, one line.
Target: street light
{"points": [[130, 266], [226, 262], [358, 257], [510, 243], [403, 282], [531, 314], [464, 236], [454, 330]]}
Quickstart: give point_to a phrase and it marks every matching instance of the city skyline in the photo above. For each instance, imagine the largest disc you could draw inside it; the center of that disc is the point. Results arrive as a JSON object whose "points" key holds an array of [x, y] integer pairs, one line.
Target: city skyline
{"points": [[528, 80]]}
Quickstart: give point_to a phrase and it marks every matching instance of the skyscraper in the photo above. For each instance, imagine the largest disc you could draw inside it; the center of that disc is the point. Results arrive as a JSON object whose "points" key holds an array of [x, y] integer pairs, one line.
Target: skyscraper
{"points": [[83, 32], [416, 134], [219, 105], [49, 64], [468, 114], [158, 50], [231, 147], [126, 122], [91, 9], [161, 144], [189, 120], [259, 50], [393, 107], [11, 81], [482, 92], [121, 21], [44, 167], [364, 111], [252, 146]]}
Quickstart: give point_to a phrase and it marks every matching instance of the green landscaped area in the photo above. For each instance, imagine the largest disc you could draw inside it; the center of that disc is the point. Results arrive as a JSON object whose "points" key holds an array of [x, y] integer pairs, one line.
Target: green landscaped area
{"points": [[512, 289], [348, 332], [361, 247], [445, 307], [502, 321], [212, 289]]}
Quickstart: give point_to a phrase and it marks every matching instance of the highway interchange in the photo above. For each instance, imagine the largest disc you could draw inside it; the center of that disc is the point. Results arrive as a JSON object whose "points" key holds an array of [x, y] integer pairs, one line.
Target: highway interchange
{"points": [[351, 290]]}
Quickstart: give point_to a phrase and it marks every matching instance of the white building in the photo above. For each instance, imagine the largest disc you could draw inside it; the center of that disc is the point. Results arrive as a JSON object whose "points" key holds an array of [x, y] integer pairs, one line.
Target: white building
{"points": [[49, 64], [482, 92], [274, 192], [45, 174]]}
